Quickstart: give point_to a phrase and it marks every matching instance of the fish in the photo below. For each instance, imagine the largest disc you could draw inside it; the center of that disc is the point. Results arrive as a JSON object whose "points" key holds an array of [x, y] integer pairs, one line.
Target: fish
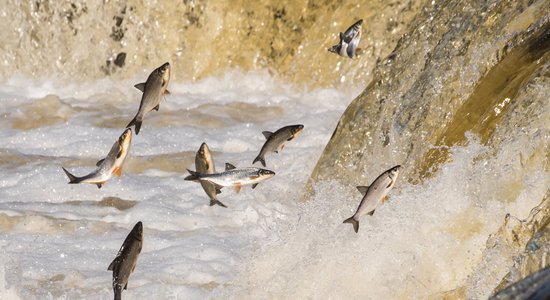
{"points": [[349, 40], [153, 89], [110, 165], [374, 195], [275, 141], [535, 286], [204, 163], [233, 177], [126, 259]]}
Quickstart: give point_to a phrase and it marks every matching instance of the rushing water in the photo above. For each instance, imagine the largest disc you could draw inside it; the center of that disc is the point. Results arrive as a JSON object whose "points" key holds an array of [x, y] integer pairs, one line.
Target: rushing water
{"points": [[58, 239], [461, 102]]}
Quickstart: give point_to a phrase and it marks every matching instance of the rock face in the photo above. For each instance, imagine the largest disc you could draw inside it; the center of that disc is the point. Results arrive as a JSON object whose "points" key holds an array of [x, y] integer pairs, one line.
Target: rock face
{"points": [[463, 69], [464, 66], [85, 40]]}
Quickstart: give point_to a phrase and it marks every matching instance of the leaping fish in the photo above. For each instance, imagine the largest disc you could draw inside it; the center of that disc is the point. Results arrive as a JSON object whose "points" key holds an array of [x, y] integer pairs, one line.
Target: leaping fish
{"points": [[110, 165], [126, 259], [204, 163], [374, 195], [349, 40], [153, 89], [233, 177], [275, 141]]}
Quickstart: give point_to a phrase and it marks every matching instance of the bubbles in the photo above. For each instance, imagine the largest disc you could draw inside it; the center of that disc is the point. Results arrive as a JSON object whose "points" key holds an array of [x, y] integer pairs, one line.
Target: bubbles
{"points": [[427, 237], [80, 228]]}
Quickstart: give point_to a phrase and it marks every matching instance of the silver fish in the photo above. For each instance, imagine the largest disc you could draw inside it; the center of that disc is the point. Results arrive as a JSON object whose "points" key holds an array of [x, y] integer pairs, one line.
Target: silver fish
{"points": [[233, 177], [110, 165], [275, 141], [153, 89], [349, 40], [205, 164], [126, 259], [374, 195]]}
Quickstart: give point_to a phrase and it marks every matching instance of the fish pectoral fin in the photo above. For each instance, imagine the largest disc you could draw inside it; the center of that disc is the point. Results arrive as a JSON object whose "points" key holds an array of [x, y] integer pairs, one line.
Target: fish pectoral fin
{"points": [[99, 162], [371, 213], [282, 147], [267, 134], [157, 107], [100, 184], [237, 188], [363, 189], [126, 286], [117, 171], [254, 185], [385, 199], [229, 166], [218, 189], [140, 86], [167, 92]]}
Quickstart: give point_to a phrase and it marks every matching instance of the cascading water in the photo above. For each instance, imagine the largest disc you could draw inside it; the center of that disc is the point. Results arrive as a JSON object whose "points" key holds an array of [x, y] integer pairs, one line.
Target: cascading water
{"points": [[455, 91]]}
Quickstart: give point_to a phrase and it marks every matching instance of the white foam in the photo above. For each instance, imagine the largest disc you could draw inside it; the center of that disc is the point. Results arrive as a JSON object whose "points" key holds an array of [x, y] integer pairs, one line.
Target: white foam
{"points": [[57, 239], [62, 240]]}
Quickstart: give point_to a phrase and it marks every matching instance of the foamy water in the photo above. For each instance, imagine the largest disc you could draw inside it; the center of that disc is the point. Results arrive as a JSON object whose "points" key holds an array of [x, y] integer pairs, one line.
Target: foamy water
{"points": [[58, 239]]}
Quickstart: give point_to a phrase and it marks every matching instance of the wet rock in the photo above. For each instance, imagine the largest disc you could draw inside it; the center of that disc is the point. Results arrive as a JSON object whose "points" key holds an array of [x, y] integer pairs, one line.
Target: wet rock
{"points": [[447, 76]]}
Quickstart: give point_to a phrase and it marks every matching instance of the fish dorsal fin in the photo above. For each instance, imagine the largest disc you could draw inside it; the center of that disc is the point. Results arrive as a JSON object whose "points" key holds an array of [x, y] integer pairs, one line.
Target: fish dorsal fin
{"points": [[362, 189], [99, 162], [267, 134], [341, 36], [112, 265], [140, 86], [237, 188], [229, 166]]}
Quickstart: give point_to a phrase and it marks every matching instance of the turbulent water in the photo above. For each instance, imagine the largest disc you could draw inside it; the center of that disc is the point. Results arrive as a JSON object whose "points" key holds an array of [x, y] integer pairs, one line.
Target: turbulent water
{"points": [[58, 239], [455, 91]]}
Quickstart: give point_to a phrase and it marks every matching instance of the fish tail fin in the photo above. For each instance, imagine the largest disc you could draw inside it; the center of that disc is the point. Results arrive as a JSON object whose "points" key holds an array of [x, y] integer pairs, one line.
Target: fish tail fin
{"points": [[261, 159], [215, 201], [72, 178], [135, 121], [118, 292], [193, 177], [354, 222]]}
